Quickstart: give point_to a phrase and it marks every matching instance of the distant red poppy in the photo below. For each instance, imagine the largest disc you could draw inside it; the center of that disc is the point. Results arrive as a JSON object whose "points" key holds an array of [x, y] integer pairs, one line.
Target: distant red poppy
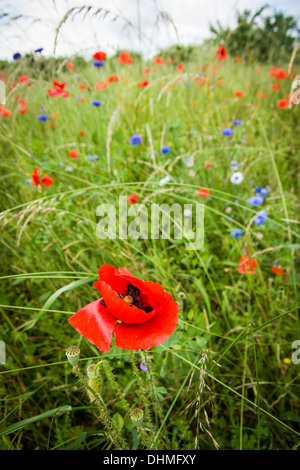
{"points": [[124, 58], [261, 94], [35, 177], [23, 78], [143, 84], [81, 133], [73, 153], [272, 72], [278, 271], [179, 68], [82, 86], [113, 78], [58, 86], [158, 61], [132, 199], [207, 165], [203, 192], [282, 104], [221, 53], [280, 74], [237, 59], [70, 65], [275, 86], [147, 71], [247, 265], [47, 181], [99, 55], [239, 94], [100, 86], [5, 112], [139, 314]]}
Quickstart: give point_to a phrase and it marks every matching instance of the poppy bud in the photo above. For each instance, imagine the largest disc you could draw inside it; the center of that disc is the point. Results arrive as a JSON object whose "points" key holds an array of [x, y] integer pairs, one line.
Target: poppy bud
{"points": [[94, 381], [73, 353]]}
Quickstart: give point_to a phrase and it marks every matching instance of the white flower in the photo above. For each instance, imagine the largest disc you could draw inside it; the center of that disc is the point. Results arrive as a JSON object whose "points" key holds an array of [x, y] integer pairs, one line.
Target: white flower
{"points": [[237, 177], [164, 180]]}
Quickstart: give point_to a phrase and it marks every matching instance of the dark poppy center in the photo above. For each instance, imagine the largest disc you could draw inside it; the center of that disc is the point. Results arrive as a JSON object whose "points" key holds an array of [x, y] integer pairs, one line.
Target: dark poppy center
{"points": [[133, 297]]}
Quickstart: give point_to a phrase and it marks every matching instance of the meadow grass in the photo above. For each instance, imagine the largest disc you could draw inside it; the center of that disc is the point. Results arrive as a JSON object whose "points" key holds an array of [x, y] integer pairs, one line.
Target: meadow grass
{"points": [[225, 378]]}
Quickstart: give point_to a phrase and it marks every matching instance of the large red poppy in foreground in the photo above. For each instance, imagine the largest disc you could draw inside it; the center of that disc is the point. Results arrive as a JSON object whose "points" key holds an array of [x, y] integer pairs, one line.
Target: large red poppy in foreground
{"points": [[139, 314]]}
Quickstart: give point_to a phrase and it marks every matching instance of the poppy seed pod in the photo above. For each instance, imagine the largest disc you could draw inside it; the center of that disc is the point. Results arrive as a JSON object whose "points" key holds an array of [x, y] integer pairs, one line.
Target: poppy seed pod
{"points": [[73, 354]]}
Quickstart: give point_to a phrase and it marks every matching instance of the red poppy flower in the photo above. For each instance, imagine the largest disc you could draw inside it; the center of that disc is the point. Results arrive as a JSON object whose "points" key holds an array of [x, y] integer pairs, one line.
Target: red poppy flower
{"points": [[282, 104], [158, 61], [280, 74], [81, 133], [5, 112], [247, 265], [147, 71], [124, 58], [277, 271], [261, 94], [272, 72], [100, 86], [179, 68], [82, 86], [47, 181], [35, 177], [142, 84], [70, 65], [113, 78], [58, 86], [99, 55], [73, 153], [237, 59], [275, 86], [23, 78], [221, 53], [207, 165], [132, 199], [139, 314], [203, 192], [239, 94]]}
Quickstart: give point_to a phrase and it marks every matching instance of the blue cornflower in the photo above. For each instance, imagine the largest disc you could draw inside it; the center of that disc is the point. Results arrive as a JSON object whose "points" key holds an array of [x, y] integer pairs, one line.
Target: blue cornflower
{"points": [[264, 192], [188, 85], [42, 117], [165, 149], [256, 200], [96, 103], [227, 131], [135, 139], [261, 217], [39, 50], [258, 189], [143, 367], [236, 122], [236, 232], [234, 165], [17, 56], [98, 63]]}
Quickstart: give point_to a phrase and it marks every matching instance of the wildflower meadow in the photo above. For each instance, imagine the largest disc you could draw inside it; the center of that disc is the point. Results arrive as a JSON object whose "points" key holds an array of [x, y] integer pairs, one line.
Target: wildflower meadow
{"points": [[149, 242]]}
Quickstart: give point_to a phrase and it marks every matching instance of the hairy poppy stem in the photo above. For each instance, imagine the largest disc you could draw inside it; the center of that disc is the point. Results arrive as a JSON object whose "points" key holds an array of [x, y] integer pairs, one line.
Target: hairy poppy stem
{"points": [[143, 394], [158, 405], [113, 432]]}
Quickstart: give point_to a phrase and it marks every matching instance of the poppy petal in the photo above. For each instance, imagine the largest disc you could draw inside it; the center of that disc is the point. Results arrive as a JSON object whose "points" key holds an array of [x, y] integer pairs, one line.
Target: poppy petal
{"points": [[151, 333], [95, 323]]}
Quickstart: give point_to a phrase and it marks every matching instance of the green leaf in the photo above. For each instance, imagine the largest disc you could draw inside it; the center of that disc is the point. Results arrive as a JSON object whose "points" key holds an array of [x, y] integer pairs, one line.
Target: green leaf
{"points": [[25, 422]]}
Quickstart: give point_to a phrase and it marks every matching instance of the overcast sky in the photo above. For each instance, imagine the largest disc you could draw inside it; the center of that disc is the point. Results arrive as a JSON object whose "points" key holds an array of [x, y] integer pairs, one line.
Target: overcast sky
{"points": [[188, 23]]}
